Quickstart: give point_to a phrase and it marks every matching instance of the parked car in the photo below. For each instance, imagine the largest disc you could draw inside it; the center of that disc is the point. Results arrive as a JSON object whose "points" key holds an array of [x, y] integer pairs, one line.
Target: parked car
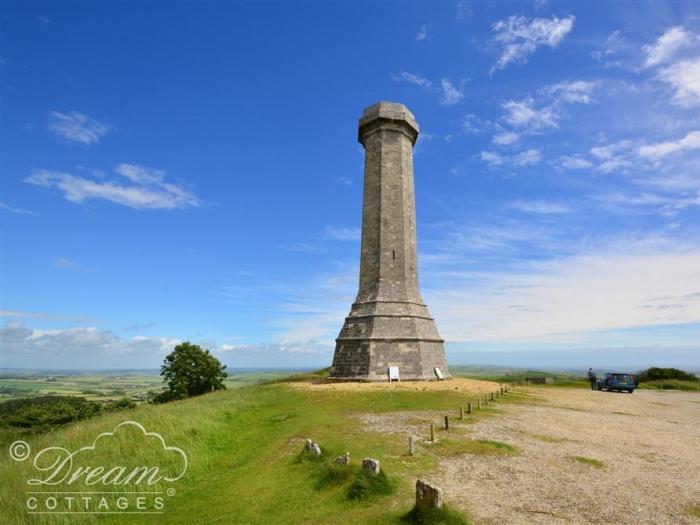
{"points": [[617, 381]]}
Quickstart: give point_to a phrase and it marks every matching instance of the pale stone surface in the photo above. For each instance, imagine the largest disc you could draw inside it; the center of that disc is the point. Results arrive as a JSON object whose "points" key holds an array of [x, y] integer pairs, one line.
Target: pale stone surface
{"points": [[371, 465], [313, 447], [388, 324], [427, 495]]}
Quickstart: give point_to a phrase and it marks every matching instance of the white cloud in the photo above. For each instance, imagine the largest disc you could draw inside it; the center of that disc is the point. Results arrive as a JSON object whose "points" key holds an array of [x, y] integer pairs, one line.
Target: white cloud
{"points": [[473, 124], [615, 156], [610, 47], [147, 188], [505, 138], [606, 288], [667, 45], [18, 211], [662, 149], [528, 157], [641, 199], [341, 234], [493, 159], [519, 37], [579, 91], [574, 162], [523, 114], [76, 127], [422, 33], [535, 115], [684, 77], [67, 264], [82, 347], [411, 78], [450, 94], [541, 207]]}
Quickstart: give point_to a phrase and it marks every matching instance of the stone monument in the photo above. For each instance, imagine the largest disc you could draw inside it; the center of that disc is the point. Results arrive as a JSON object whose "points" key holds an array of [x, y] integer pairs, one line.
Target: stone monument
{"points": [[388, 325]]}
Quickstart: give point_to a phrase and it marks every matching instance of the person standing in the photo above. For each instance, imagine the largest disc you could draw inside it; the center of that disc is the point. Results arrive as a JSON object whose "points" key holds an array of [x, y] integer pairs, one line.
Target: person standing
{"points": [[592, 378]]}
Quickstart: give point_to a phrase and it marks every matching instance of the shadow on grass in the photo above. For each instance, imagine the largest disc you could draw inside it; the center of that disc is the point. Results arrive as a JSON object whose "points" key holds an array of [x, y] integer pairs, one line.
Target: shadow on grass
{"points": [[432, 516]]}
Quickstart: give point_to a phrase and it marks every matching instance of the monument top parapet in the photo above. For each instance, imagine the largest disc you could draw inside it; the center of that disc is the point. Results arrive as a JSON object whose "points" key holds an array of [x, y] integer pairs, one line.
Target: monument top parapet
{"points": [[390, 112]]}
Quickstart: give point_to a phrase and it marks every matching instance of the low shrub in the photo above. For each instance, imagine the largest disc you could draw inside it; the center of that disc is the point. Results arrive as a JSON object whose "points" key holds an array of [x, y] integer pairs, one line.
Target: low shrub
{"points": [[368, 485], [46, 412]]}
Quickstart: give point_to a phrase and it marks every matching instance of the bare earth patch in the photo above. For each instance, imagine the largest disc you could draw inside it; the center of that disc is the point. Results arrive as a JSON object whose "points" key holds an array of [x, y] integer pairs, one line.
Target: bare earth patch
{"points": [[466, 386], [638, 458]]}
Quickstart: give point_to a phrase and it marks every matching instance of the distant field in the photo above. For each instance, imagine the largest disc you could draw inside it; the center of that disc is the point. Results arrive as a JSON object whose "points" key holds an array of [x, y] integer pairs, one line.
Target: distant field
{"points": [[510, 375], [107, 385]]}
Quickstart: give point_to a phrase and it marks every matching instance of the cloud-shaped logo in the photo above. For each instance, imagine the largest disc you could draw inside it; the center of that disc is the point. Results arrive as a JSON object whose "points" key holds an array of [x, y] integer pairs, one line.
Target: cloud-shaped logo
{"points": [[59, 463]]}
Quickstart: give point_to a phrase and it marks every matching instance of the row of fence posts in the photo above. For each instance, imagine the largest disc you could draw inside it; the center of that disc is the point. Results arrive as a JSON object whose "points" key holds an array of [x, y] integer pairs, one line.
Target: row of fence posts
{"points": [[503, 389]]}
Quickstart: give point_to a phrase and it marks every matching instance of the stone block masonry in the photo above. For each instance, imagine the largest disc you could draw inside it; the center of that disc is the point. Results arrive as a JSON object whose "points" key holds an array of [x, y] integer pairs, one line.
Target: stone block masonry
{"points": [[388, 325]]}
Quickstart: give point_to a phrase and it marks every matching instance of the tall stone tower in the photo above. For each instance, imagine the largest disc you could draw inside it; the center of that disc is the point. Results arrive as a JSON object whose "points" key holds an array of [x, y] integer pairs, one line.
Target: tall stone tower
{"points": [[388, 324]]}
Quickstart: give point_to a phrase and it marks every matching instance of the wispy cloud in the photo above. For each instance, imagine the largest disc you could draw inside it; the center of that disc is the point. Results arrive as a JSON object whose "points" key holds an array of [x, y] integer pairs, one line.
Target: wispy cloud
{"points": [[572, 162], [612, 45], [684, 77], [341, 234], [450, 94], [76, 127], [422, 33], [411, 78], [519, 37], [68, 264], [662, 149], [541, 207], [528, 157], [505, 138], [18, 211], [534, 115], [143, 188], [667, 45], [604, 287]]}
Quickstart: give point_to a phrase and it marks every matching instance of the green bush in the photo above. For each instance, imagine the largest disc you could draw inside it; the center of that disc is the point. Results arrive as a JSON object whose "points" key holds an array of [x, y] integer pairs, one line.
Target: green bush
{"points": [[662, 374], [46, 412]]}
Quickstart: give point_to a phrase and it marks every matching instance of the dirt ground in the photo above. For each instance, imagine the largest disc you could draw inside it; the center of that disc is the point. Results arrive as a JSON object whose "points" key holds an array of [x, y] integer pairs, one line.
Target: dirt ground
{"points": [[648, 443], [465, 386]]}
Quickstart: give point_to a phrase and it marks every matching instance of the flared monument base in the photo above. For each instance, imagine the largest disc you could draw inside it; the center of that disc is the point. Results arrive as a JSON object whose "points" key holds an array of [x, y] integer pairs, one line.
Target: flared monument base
{"points": [[370, 359]]}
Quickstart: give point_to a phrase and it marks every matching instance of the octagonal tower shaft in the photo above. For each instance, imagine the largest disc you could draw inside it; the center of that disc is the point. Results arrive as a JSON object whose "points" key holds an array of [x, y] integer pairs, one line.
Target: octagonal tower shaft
{"points": [[388, 261], [388, 324]]}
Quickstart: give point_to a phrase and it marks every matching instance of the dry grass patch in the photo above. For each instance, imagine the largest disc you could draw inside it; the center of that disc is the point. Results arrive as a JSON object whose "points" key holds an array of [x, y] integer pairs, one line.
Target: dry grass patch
{"points": [[596, 463], [451, 447]]}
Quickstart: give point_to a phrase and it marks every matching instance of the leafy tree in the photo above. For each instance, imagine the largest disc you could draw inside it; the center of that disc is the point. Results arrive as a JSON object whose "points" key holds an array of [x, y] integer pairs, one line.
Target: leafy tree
{"points": [[190, 370]]}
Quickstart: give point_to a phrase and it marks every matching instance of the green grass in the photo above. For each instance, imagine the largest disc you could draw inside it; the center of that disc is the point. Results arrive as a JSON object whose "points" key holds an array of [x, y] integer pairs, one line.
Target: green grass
{"points": [[671, 384], [452, 447], [243, 449], [590, 461]]}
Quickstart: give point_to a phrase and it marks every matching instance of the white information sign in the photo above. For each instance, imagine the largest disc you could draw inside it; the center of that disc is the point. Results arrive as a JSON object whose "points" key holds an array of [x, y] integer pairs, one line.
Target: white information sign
{"points": [[438, 373], [394, 374]]}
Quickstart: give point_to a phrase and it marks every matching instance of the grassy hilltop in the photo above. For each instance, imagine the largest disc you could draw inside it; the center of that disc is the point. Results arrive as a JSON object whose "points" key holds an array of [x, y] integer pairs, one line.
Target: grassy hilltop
{"points": [[243, 448]]}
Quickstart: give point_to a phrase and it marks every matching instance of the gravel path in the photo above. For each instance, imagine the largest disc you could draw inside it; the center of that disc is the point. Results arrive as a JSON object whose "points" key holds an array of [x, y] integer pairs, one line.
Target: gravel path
{"points": [[648, 443]]}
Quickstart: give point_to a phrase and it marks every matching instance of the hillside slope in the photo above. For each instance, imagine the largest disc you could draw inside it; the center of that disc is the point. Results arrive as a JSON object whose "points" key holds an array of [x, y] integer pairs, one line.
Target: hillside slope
{"points": [[242, 448]]}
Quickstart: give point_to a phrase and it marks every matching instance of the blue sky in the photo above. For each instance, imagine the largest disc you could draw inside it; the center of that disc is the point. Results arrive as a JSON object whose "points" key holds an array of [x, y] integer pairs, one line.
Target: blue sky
{"points": [[191, 171]]}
